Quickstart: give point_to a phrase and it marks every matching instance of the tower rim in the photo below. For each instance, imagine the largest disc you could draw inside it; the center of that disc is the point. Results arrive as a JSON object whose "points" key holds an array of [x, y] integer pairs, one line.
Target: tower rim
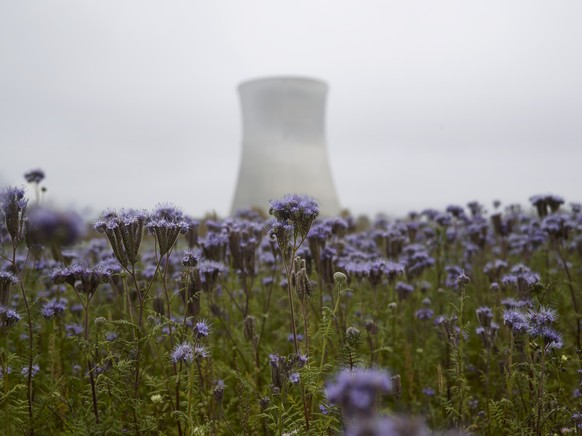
{"points": [[294, 78]]}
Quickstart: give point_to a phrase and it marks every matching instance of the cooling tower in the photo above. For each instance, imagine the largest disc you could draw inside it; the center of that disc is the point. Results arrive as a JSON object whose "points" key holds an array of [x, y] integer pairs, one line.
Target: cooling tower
{"points": [[283, 146]]}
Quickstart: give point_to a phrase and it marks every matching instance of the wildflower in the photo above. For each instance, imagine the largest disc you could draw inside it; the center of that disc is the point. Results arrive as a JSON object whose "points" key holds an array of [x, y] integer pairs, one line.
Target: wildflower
{"points": [[82, 278], [281, 233], [539, 323], [294, 378], [403, 290], [558, 226], [13, 206], [516, 321], [53, 308], [183, 353], [6, 279], [428, 391], [545, 202], [462, 280], [393, 270], [200, 352], [356, 391], [165, 224], [302, 360], [34, 176], [301, 210], [190, 258], [299, 337], [209, 271], [156, 398], [35, 370], [274, 360], [46, 227], [424, 314], [456, 211], [74, 329], [8, 317], [484, 315], [202, 329], [522, 279], [124, 230]]}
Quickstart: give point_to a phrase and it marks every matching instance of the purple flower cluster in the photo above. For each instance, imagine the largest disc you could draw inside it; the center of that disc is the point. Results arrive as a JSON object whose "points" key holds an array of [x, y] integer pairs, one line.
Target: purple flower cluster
{"points": [[46, 226], [82, 278], [12, 208], [6, 280], [124, 230], [522, 279], [301, 210], [8, 317], [165, 224], [355, 391], [183, 353], [54, 307], [546, 203], [202, 329], [34, 176], [535, 323]]}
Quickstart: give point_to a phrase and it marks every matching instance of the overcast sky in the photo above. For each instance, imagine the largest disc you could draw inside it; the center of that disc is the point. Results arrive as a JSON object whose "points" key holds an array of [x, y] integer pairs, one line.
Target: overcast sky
{"points": [[133, 102]]}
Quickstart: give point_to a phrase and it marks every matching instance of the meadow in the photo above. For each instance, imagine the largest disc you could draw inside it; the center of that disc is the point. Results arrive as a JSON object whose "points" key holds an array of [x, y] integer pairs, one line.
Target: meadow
{"points": [[457, 321]]}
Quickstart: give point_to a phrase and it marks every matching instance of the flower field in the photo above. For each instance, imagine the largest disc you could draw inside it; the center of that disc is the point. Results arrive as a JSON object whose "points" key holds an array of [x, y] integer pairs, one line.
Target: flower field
{"points": [[457, 321]]}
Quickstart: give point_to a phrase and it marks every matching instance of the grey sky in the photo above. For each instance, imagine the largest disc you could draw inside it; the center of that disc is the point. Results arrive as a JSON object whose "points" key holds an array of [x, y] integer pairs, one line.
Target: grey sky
{"points": [[130, 103]]}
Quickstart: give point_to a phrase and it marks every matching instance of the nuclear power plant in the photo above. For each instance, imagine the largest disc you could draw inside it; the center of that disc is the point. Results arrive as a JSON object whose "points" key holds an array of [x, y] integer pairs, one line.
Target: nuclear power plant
{"points": [[283, 146]]}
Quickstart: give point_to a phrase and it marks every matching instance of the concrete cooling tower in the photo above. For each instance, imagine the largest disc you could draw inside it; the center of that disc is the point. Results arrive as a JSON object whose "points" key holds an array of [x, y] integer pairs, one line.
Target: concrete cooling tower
{"points": [[283, 146]]}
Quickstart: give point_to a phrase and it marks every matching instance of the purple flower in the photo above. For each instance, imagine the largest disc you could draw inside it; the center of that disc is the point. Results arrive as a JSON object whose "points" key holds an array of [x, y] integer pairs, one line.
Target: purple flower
{"points": [[274, 360], [34, 176], [424, 314], [290, 337], [54, 307], [428, 391], [484, 315], [202, 329], [200, 352], [13, 205], [403, 290], [8, 317], [6, 280], [165, 224], [35, 370], [301, 210], [294, 378], [190, 258], [356, 391], [456, 211], [46, 226], [81, 277], [183, 353], [74, 329], [393, 270], [209, 271], [516, 321], [124, 230], [521, 279]]}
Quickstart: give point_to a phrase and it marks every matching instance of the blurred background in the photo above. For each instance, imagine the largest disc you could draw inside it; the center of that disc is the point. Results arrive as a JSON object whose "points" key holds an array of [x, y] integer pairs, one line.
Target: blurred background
{"points": [[127, 104]]}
